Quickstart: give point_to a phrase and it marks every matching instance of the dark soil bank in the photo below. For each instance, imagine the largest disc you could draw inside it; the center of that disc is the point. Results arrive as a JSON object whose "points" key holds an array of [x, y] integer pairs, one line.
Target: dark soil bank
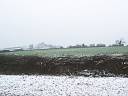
{"points": [[95, 65]]}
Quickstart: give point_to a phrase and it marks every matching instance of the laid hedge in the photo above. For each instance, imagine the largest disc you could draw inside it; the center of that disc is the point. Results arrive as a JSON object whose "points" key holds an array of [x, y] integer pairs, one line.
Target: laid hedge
{"points": [[10, 64]]}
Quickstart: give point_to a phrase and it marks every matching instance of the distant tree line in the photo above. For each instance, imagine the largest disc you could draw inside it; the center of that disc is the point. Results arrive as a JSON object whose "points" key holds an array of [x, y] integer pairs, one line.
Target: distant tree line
{"points": [[120, 42], [117, 43], [86, 46]]}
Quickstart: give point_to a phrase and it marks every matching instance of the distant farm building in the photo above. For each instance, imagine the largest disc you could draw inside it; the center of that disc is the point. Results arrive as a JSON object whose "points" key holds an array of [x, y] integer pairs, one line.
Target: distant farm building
{"points": [[13, 49]]}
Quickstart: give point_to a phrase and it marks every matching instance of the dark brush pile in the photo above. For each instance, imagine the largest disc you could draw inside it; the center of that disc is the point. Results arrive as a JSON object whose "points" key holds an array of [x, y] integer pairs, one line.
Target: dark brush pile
{"points": [[96, 65]]}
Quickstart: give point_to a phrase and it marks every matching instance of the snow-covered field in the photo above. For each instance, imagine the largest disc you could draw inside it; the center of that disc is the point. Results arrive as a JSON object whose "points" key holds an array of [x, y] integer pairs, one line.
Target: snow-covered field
{"points": [[14, 85]]}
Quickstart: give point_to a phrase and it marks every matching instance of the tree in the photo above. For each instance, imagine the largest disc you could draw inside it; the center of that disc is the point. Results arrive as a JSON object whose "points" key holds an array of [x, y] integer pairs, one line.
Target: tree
{"points": [[84, 46], [92, 45], [100, 45], [120, 42], [31, 46]]}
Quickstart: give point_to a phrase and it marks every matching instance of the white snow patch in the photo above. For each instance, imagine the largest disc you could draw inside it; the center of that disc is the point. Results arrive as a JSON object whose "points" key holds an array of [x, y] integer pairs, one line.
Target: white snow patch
{"points": [[24, 85]]}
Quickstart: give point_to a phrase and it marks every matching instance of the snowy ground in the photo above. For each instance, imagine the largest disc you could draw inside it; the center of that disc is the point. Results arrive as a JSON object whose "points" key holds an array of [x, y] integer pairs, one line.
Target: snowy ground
{"points": [[62, 86]]}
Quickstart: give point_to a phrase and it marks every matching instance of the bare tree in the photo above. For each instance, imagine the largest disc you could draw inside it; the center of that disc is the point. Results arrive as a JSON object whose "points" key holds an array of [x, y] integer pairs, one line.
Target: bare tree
{"points": [[120, 42], [31, 46]]}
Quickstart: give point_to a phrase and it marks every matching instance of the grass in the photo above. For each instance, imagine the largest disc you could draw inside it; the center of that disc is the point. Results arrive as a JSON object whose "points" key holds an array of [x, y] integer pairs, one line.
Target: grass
{"points": [[79, 52]]}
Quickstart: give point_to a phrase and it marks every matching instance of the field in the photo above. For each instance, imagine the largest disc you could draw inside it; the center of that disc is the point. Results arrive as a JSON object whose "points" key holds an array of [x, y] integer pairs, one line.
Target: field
{"points": [[40, 61], [79, 52], [66, 61], [25, 85]]}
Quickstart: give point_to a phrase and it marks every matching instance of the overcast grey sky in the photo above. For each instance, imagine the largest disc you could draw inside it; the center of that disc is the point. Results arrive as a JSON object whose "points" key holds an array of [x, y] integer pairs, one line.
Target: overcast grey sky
{"points": [[62, 22]]}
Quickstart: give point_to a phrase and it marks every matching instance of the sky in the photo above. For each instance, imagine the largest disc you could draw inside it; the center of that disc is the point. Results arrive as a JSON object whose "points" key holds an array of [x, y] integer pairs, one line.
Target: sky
{"points": [[62, 22]]}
